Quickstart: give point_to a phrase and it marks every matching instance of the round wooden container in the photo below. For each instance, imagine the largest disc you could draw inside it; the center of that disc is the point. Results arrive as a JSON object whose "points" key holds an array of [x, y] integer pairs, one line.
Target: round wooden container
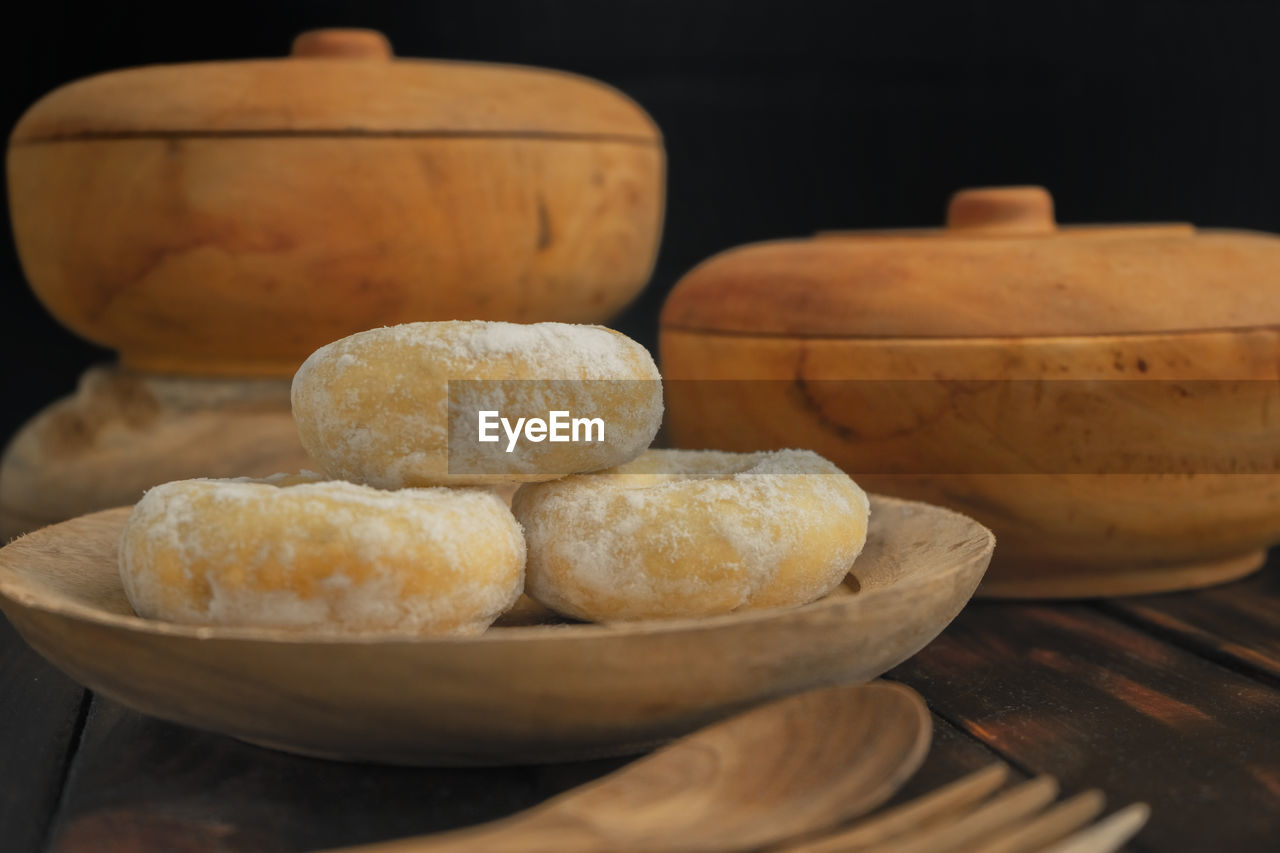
{"points": [[217, 222], [1103, 397], [231, 217]]}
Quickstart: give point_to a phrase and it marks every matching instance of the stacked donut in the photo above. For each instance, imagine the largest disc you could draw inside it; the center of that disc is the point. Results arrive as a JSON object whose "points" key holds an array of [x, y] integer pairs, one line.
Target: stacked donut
{"points": [[404, 531]]}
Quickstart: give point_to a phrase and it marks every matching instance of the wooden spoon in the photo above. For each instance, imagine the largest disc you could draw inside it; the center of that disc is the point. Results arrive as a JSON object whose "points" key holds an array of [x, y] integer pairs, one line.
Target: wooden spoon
{"points": [[784, 769]]}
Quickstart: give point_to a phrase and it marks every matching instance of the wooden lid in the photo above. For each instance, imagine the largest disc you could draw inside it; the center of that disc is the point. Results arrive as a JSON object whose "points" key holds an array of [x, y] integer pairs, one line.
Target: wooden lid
{"points": [[335, 82], [1001, 267]]}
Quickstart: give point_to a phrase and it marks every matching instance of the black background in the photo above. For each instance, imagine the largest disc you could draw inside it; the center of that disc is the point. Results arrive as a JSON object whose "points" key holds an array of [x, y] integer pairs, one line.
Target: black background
{"points": [[780, 118]]}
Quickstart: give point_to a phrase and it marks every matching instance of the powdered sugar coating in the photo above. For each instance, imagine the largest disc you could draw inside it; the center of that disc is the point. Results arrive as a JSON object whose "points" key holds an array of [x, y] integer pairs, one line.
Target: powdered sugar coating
{"points": [[691, 533], [330, 556], [374, 407]]}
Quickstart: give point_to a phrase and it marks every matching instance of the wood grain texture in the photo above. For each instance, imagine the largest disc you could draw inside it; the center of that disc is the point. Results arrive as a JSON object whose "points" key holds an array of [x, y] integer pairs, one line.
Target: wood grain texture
{"points": [[141, 784], [123, 432], [1105, 465], [933, 806], [241, 256], [40, 716], [1054, 824], [954, 754], [778, 771], [974, 824], [1000, 268], [1069, 692], [549, 692], [322, 91], [1237, 625]]}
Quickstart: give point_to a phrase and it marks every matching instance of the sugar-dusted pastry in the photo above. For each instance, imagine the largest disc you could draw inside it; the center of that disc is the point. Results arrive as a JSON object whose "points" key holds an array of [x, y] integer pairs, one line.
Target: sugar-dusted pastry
{"points": [[331, 556], [456, 403], [691, 533]]}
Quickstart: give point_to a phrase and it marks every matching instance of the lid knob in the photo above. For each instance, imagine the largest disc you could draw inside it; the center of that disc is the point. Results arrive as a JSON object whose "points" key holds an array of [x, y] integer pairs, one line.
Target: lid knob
{"points": [[341, 44], [1002, 210]]}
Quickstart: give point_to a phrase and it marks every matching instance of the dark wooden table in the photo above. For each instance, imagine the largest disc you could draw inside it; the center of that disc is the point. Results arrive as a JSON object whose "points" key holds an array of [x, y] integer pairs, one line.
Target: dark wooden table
{"points": [[1172, 699]]}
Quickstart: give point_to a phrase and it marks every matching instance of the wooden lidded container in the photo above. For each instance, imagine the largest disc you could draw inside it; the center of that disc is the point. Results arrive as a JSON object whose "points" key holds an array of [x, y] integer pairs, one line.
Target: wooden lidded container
{"points": [[230, 217], [1105, 398], [217, 222]]}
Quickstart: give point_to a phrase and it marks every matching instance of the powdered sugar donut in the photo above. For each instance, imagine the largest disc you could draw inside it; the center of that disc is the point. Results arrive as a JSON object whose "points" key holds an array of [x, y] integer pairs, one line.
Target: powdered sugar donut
{"points": [[290, 553], [402, 405], [691, 533]]}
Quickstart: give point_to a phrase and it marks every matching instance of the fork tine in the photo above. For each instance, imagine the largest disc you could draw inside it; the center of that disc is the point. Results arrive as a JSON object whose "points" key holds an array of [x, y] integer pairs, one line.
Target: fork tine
{"points": [[1106, 835], [1009, 807], [1048, 827], [912, 815]]}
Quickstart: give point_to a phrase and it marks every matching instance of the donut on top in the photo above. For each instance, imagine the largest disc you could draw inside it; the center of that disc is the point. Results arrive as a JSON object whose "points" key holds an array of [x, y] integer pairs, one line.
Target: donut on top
{"points": [[402, 405]]}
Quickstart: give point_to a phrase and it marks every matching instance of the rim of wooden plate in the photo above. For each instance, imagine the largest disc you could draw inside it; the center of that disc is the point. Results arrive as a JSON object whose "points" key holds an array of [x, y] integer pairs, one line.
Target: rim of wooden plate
{"points": [[17, 588]]}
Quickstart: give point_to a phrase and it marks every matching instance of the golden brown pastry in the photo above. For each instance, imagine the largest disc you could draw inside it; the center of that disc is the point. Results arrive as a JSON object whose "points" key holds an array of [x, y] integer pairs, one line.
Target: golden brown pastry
{"points": [[329, 556], [691, 533], [400, 406]]}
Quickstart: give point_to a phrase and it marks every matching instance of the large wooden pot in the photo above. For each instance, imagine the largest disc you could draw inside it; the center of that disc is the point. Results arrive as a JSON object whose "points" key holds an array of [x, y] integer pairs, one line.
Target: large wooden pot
{"points": [[231, 217], [1104, 398]]}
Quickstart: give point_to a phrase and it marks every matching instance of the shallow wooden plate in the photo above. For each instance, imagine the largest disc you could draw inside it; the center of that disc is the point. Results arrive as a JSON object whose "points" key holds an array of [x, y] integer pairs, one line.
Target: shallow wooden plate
{"points": [[536, 693]]}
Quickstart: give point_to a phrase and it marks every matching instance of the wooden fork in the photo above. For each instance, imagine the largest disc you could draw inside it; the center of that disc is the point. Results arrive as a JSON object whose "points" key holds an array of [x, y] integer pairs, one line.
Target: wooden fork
{"points": [[969, 815]]}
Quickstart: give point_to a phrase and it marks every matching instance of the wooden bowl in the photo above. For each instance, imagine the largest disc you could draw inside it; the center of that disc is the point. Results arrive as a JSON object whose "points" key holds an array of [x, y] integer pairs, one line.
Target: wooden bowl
{"points": [[512, 695], [1093, 486], [1102, 398], [231, 217]]}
